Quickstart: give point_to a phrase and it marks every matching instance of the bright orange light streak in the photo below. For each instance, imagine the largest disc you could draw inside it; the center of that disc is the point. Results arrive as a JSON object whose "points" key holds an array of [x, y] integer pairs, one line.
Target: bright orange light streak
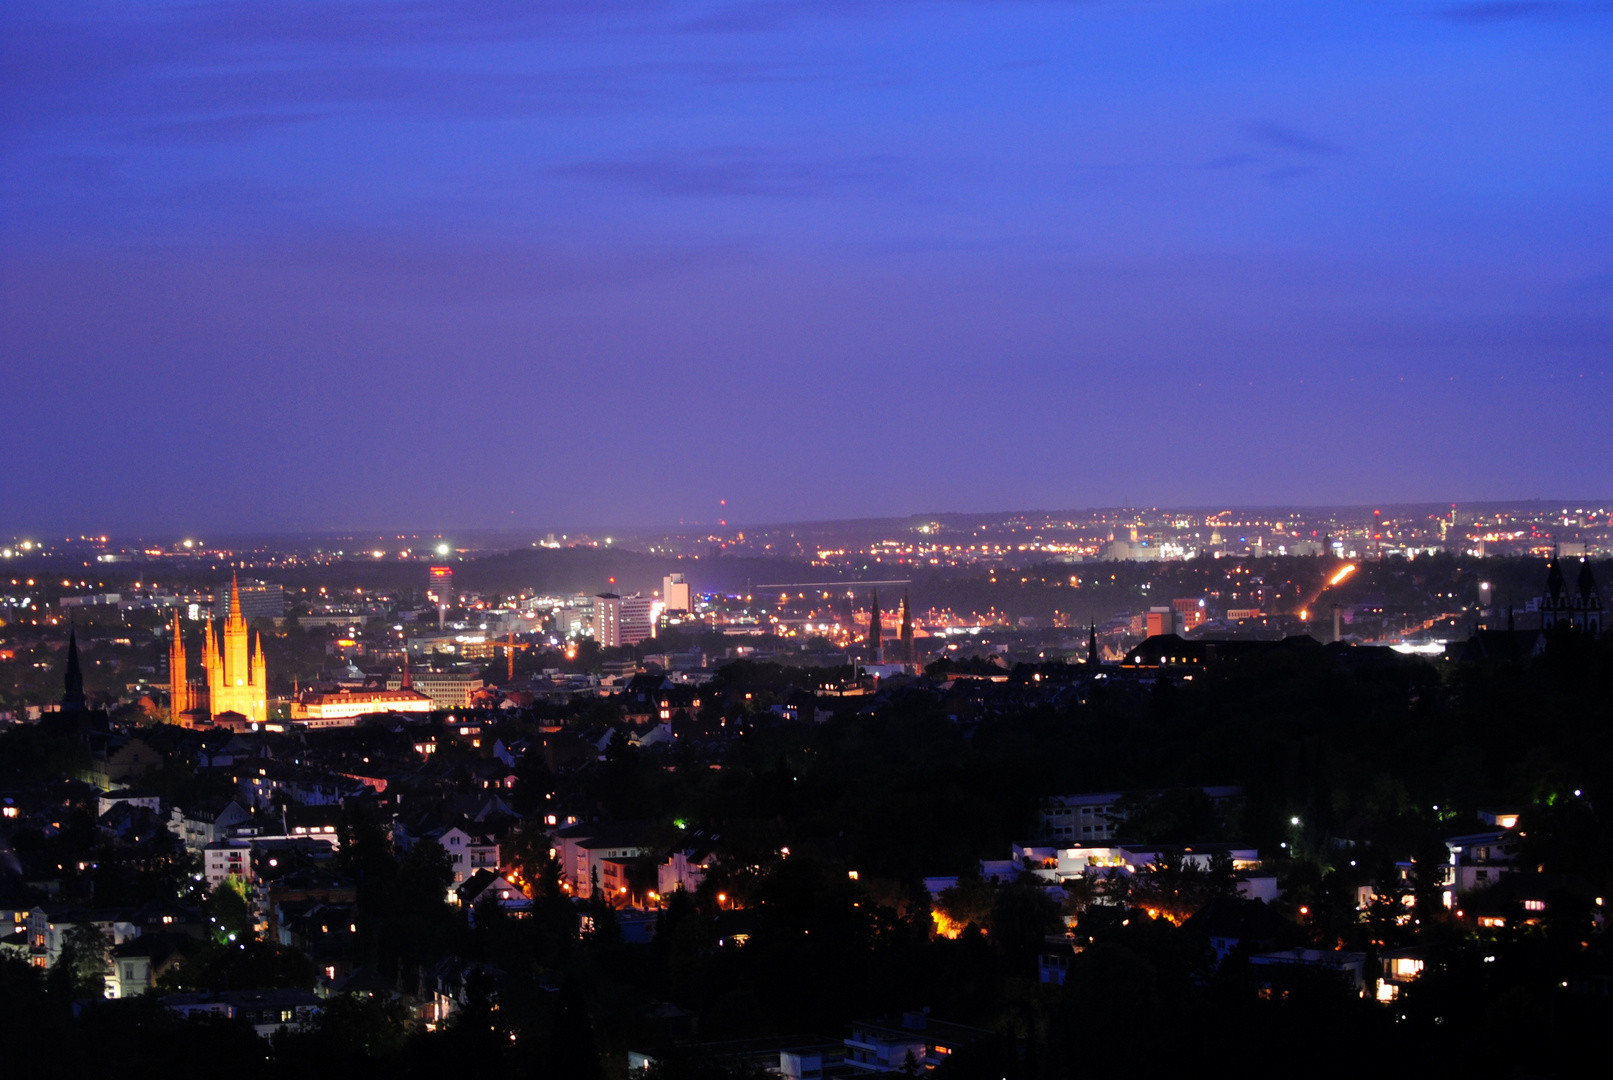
{"points": [[1342, 574]]}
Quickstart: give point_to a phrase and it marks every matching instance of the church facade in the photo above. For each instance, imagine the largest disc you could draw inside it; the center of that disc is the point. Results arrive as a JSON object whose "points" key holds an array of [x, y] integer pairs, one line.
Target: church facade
{"points": [[1580, 608], [234, 677]]}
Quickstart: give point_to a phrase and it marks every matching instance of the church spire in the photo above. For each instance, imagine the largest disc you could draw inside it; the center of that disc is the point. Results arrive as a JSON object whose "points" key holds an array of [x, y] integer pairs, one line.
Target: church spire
{"points": [[73, 690], [178, 673], [907, 627], [235, 599], [875, 630], [1092, 644]]}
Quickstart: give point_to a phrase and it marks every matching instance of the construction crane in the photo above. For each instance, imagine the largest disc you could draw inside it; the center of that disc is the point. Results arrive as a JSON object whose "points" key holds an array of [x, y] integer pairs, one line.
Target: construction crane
{"points": [[509, 646]]}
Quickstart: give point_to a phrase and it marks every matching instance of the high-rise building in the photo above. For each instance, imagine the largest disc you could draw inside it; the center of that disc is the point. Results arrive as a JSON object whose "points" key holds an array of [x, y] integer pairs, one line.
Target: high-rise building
{"points": [[259, 600], [1161, 620], [637, 618], [1190, 612], [235, 678], [675, 593], [608, 620], [622, 620]]}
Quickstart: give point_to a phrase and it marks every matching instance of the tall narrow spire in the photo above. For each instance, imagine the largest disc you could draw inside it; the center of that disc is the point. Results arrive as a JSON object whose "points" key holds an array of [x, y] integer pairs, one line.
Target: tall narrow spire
{"points": [[73, 690], [235, 599], [907, 627], [178, 673], [875, 630], [1092, 644], [408, 683]]}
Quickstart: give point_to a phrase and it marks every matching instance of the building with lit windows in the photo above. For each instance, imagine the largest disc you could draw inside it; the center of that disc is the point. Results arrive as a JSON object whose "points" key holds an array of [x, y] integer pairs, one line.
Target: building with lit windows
{"points": [[623, 620]]}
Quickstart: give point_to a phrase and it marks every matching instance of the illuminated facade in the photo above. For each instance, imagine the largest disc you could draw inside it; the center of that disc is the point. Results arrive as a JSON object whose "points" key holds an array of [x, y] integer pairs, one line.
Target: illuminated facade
{"points": [[344, 707], [234, 677]]}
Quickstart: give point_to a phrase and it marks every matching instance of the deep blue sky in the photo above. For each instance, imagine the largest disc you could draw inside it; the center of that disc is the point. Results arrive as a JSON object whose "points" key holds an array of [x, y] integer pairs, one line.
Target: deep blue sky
{"points": [[404, 263]]}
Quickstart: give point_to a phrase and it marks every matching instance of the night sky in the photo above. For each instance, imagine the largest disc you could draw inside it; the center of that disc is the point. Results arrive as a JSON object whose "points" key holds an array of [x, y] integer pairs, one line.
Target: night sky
{"points": [[305, 265]]}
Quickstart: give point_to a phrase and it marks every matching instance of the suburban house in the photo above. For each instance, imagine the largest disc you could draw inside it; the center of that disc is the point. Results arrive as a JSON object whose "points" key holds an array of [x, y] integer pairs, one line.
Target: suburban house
{"points": [[137, 963], [1232, 922], [1351, 967], [490, 887], [1478, 861], [467, 852], [884, 1046], [1098, 816], [582, 850], [268, 1011], [202, 826]]}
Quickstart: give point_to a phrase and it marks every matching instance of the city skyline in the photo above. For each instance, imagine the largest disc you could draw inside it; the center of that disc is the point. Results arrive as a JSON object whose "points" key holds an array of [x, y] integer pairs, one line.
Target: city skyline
{"points": [[818, 539]]}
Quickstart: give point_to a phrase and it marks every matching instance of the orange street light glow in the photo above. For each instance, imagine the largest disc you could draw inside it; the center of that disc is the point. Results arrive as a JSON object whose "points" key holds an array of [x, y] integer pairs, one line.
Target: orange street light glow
{"points": [[1342, 574]]}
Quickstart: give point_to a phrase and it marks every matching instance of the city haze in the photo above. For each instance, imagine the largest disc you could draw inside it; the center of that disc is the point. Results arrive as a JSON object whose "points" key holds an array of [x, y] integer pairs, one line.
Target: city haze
{"points": [[339, 266]]}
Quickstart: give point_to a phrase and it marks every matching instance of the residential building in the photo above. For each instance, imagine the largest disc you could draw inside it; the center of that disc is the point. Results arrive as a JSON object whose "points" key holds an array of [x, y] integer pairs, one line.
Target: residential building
{"points": [[224, 859], [886, 1046], [139, 961], [1478, 861], [582, 850], [200, 827], [1350, 967], [1098, 816], [467, 852], [268, 1011]]}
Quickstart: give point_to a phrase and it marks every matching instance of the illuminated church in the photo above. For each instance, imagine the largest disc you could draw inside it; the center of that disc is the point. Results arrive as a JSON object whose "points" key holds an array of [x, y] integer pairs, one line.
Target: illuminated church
{"points": [[234, 678]]}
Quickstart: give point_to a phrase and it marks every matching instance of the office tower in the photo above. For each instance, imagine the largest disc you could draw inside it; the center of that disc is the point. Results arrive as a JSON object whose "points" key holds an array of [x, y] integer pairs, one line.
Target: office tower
{"points": [[675, 593], [258, 600], [608, 620]]}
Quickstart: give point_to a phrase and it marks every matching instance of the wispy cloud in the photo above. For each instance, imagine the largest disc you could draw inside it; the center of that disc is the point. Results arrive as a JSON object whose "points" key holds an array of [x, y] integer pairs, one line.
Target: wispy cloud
{"points": [[737, 172], [1283, 137], [216, 128]]}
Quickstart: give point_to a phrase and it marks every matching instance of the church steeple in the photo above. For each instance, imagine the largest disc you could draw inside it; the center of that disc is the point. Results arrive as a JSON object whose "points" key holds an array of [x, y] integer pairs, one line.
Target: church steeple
{"points": [[1588, 601], [1092, 644], [73, 691], [907, 627], [1555, 584], [179, 701], [875, 630], [235, 601], [235, 664]]}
